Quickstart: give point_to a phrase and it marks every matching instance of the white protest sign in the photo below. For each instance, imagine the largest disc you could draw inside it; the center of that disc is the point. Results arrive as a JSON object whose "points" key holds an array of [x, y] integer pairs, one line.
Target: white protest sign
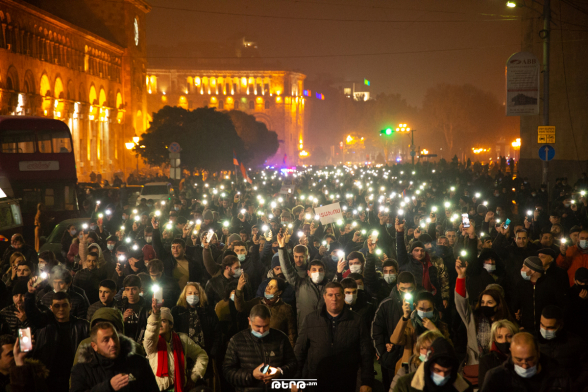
{"points": [[329, 213], [286, 189]]}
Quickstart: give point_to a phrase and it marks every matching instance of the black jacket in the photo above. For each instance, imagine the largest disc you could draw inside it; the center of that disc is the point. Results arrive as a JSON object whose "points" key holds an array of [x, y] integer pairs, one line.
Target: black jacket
{"points": [[46, 347], [364, 307], [9, 323], [570, 352], [169, 262], [488, 362], [334, 359], [143, 314], [93, 371], [387, 316], [99, 305], [89, 281], [246, 352], [531, 298], [28, 251], [504, 378], [208, 321], [375, 285]]}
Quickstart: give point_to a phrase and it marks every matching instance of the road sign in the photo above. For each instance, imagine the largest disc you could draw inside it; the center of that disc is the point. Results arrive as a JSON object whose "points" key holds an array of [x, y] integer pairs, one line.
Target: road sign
{"points": [[412, 153], [546, 135], [175, 173], [174, 147], [546, 153], [174, 162]]}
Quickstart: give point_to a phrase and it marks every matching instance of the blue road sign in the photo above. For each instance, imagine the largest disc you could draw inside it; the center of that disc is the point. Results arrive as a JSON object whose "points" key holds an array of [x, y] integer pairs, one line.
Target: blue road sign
{"points": [[546, 152], [174, 147]]}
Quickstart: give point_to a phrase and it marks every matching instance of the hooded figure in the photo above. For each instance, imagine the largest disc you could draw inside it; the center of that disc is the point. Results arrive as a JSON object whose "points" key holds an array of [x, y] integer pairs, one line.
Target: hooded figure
{"points": [[481, 274]]}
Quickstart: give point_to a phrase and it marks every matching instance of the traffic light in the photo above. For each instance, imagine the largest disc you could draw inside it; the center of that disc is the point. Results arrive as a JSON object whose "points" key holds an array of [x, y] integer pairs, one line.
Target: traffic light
{"points": [[387, 131]]}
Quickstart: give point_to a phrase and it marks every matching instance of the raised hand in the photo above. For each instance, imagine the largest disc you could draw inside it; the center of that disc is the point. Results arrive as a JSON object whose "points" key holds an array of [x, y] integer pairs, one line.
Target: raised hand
{"points": [[460, 268], [399, 225]]}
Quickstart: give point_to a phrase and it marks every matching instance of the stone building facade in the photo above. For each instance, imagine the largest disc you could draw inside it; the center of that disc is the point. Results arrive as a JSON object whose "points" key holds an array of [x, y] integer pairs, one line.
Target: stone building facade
{"points": [[275, 98], [82, 62]]}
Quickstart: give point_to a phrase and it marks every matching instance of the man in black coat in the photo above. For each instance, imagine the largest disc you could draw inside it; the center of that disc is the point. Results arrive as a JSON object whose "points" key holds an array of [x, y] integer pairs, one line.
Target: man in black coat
{"points": [[110, 364], [63, 282], [333, 344], [387, 316], [87, 279], [567, 348], [527, 370], [58, 334], [251, 350]]}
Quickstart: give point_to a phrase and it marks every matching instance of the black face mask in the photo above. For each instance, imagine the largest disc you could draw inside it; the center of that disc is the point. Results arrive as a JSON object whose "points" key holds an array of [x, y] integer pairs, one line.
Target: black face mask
{"points": [[488, 311], [503, 347]]}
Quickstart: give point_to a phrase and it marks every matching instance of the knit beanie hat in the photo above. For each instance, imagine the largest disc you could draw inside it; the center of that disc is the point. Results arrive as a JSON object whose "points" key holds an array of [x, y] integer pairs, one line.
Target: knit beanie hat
{"points": [[234, 237], [534, 263], [166, 315], [20, 287], [416, 244]]}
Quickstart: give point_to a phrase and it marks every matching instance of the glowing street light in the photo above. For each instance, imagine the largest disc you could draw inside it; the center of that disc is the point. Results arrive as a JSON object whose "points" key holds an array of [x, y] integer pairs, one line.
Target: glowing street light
{"points": [[517, 143], [511, 4]]}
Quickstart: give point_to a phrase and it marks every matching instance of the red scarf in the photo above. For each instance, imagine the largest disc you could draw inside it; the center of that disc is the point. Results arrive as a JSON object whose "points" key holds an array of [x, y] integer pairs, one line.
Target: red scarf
{"points": [[162, 358]]}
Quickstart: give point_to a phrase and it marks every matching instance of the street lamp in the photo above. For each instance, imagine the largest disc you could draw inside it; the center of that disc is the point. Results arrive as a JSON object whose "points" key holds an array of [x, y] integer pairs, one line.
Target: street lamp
{"points": [[130, 146], [404, 128], [511, 4]]}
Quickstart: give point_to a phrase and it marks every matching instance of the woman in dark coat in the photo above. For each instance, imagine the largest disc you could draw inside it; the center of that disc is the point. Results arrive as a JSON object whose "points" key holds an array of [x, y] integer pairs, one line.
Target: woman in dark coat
{"points": [[502, 333]]}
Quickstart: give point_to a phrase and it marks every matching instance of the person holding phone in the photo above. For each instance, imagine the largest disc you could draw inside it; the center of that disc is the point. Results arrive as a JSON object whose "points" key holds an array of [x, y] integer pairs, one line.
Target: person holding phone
{"points": [[259, 354]]}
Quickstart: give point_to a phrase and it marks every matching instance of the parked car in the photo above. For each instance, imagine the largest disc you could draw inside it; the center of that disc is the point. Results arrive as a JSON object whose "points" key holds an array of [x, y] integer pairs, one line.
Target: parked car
{"points": [[156, 191], [53, 240], [132, 192]]}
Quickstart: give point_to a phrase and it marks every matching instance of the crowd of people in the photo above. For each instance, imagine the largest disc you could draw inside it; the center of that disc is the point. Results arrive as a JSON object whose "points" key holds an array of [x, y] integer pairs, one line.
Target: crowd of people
{"points": [[446, 278]]}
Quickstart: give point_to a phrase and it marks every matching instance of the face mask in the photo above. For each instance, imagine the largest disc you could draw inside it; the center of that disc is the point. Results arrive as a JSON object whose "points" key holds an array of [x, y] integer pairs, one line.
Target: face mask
{"points": [[490, 267], [439, 380], [140, 294], [360, 287], [233, 297], [73, 232], [548, 334], [268, 296], [525, 373], [390, 278], [355, 269], [241, 257], [350, 298], [389, 225], [237, 273], [110, 247], [275, 249], [335, 258], [92, 227], [260, 335], [42, 266], [423, 358], [148, 239], [503, 347], [317, 277], [525, 276], [177, 208], [426, 314], [193, 300], [488, 311], [583, 244]]}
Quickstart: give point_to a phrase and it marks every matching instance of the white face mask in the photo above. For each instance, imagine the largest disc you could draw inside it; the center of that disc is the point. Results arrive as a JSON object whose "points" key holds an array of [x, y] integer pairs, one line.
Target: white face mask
{"points": [[390, 278], [548, 334], [317, 277], [192, 300], [360, 287], [350, 298], [525, 373], [355, 269], [148, 239], [490, 267]]}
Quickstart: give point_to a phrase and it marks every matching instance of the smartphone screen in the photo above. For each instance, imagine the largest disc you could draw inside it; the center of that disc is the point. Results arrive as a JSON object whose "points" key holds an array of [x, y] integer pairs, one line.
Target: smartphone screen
{"points": [[506, 223], [158, 295], [265, 369], [465, 220], [25, 341]]}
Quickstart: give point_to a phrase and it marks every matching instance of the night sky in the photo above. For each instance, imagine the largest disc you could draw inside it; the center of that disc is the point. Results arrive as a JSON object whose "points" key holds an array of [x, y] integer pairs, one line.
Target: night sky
{"points": [[400, 46]]}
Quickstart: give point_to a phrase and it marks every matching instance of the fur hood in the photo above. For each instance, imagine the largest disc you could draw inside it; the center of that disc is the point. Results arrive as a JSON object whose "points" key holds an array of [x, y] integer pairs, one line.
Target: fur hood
{"points": [[88, 355]]}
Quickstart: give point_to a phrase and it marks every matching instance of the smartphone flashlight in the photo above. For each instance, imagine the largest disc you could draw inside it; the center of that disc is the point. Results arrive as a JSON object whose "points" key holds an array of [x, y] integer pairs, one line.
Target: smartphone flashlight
{"points": [[463, 253]]}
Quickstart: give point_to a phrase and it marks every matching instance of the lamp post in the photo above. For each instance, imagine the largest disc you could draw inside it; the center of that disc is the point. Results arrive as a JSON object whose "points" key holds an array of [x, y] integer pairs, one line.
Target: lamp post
{"points": [[130, 146], [404, 128]]}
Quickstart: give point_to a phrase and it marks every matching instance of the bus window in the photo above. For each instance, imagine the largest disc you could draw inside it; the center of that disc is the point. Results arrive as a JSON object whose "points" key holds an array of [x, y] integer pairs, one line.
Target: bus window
{"points": [[54, 141], [49, 198], [70, 198], [6, 219], [17, 142], [44, 140], [61, 141]]}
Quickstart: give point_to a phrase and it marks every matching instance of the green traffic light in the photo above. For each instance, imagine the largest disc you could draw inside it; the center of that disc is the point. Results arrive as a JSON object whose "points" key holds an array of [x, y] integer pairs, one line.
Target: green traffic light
{"points": [[388, 131]]}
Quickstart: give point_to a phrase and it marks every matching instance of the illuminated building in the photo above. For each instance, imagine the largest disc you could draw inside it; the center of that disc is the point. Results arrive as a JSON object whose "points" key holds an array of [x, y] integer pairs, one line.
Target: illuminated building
{"points": [[273, 97], [82, 62]]}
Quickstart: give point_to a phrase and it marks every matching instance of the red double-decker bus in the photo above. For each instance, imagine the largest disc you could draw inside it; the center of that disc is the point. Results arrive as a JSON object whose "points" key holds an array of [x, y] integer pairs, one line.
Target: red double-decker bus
{"points": [[37, 165]]}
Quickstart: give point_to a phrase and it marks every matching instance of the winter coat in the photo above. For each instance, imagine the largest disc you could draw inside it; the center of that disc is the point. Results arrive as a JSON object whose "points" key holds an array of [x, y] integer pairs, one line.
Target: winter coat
{"points": [[574, 258], [488, 362], [386, 318], [246, 352], [531, 298], [309, 296], [464, 310], [209, 323], [424, 272], [143, 314], [13, 322], [79, 303], [192, 352], [375, 285], [504, 378], [288, 296], [415, 382], [93, 372], [364, 307], [513, 256], [334, 358], [115, 317], [29, 253], [478, 278], [570, 351], [169, 262], [282, 314], [88, 281]]}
